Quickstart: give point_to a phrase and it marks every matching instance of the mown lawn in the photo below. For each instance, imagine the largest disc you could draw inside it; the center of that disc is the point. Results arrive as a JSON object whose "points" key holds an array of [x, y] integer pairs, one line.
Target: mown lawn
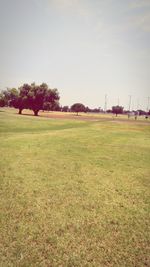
{"points": [[73, 193]]}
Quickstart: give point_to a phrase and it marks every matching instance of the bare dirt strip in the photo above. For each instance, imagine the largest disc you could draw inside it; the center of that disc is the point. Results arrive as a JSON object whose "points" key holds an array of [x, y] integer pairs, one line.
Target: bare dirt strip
{"points": [[93, 118]]}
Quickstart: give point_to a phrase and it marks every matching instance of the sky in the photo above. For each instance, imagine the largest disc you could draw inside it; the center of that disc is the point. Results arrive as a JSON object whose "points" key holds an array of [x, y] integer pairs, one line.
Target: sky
{"points": [[85, 48]]}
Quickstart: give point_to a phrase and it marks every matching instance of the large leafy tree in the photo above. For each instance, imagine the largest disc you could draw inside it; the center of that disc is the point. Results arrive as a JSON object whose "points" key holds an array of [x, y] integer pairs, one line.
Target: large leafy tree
{"points": [[117, 110], [22, 101], [51, 99], [36, 97], [2, 100], [9, 95], [78, 107]]}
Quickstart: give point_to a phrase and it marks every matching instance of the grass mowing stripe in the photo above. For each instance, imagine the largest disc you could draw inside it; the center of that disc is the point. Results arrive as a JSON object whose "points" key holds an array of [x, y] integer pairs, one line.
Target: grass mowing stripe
{"points": [[73, 196]]}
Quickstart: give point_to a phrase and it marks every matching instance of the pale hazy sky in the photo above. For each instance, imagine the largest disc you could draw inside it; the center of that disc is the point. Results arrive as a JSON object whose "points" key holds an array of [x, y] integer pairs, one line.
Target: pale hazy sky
{"points": [[85, 48]]}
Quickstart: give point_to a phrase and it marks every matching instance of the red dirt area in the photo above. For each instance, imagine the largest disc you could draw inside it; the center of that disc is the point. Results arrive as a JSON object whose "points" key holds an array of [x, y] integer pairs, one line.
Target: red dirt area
{"points": [[70, 116], [92, 117]]}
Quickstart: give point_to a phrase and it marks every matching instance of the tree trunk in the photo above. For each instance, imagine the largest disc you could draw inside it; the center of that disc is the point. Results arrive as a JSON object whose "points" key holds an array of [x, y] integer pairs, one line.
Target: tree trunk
{"points": [[20, 111], [35, 112]]}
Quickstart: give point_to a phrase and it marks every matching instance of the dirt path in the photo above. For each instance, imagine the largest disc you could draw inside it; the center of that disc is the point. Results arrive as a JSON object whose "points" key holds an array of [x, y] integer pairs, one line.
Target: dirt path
{"points": [[92, 118]]}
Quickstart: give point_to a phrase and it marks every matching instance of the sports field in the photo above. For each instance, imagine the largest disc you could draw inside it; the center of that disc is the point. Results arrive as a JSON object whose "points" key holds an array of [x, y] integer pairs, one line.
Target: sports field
{"points": [[74, 191]]}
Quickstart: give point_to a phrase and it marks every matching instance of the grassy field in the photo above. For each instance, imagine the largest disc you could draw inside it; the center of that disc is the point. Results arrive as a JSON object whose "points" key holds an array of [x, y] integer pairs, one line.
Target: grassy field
{"points": [[73, 192]]}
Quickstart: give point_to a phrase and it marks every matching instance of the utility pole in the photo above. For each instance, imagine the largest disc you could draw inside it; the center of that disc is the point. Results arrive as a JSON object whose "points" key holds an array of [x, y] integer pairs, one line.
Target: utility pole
{"points": [[148, 103], [132, 105], [137, 104], [105, 106], [129, 106], [129, 102], [118, 101]]}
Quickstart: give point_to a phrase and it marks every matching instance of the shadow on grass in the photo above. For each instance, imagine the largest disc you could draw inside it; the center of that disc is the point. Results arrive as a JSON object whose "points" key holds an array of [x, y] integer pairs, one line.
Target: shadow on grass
{"points": [[28, 114]]}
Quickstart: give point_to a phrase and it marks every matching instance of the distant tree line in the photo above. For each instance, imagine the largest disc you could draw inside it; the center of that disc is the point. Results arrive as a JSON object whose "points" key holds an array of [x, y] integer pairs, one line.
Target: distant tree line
{"points": [[41, 97], [78, 107]]}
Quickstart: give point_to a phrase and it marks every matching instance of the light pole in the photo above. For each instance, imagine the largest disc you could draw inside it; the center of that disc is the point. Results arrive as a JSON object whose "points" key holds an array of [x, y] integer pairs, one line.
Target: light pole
{"points": [[129, 106], [118, 101], [137, 104], [148, 103], [129, 102], [105, 106]]}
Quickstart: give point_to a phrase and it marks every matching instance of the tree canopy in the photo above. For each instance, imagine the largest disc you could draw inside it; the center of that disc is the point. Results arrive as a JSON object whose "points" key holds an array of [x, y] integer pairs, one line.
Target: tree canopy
{"points": [[36, 97], [78, 107], [65, 109], [2, 100], [6, 96], [117, 110]]}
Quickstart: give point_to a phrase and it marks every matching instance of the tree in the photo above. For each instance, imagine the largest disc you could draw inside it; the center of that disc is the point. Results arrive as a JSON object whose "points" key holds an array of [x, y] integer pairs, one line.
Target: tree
{"points": [[141, 112], [65, 109], [78, 107], [95, 110], [109, 111], [9, 95], [87, 109], [54, 106], [2, 100], [36, 97], [117, 110], [22, 101], [51, 99]]}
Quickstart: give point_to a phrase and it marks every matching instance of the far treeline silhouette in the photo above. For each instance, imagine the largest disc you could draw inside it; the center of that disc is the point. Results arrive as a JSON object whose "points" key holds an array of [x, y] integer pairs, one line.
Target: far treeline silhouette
{"points": [[41, 97]]}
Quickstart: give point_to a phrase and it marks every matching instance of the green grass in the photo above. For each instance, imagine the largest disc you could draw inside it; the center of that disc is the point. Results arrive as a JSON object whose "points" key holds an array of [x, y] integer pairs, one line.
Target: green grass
{"points": [[73, 193]]}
